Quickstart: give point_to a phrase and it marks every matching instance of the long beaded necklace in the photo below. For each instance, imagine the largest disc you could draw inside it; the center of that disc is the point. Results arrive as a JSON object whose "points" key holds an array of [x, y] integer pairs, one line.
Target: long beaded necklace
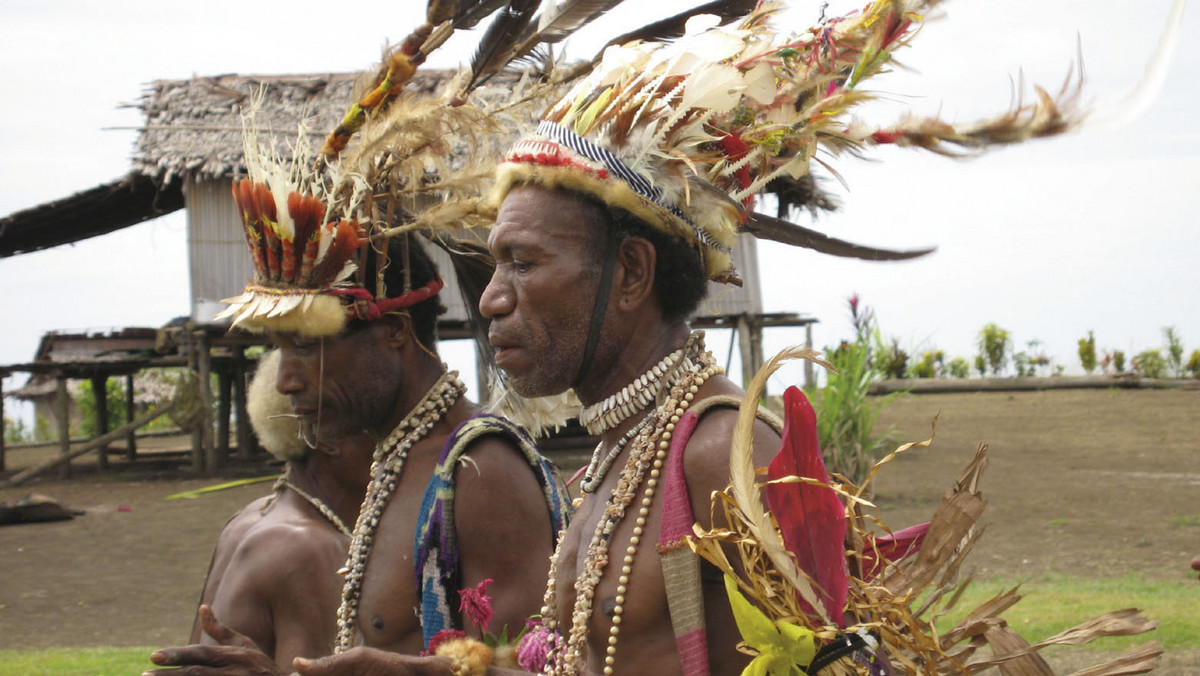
{"points": [[285, 481], [390, 455], [645, 463]]}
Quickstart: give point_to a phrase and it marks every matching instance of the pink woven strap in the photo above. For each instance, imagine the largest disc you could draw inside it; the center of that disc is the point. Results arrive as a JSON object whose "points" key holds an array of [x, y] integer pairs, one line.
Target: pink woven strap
{"points": [[680, 566], [677, 515]]}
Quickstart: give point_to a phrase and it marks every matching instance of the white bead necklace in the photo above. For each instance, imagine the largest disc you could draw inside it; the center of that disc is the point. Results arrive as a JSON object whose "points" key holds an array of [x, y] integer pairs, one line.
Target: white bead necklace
{"points": [[645, 463], [385, 475]]}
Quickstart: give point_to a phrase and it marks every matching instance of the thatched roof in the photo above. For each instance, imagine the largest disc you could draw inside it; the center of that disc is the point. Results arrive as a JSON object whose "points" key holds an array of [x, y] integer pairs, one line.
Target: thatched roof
{"points": [[194, 127]]}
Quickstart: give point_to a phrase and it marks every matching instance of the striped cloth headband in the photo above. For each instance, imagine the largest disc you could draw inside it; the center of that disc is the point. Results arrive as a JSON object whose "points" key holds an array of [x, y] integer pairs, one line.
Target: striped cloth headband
{"points": [[559, 134]]}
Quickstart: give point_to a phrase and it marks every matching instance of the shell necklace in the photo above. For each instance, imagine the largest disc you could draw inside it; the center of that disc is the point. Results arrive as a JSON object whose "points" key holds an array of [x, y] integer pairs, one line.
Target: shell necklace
{"points": [[385, 475], [615, 409], [649, 452], [285, 481]]}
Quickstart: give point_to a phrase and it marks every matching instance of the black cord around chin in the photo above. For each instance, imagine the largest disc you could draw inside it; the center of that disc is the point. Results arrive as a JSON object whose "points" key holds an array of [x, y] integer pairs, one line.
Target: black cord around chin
{"points": [[601, 304]]}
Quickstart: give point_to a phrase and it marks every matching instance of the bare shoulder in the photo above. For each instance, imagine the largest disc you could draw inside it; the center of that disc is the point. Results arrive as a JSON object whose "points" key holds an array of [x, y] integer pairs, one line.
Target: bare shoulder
{"points": [[284, 541], [706, 459], [493, 466]]}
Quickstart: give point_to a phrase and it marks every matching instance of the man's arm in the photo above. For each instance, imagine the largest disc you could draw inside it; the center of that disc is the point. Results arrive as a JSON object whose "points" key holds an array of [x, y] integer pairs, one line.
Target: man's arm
{"points": [[706, 465], [504, 531]]}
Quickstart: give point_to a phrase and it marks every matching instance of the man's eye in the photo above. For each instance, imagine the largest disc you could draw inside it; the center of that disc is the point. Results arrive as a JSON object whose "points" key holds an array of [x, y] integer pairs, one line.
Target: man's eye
{"points": [[522, 266]]}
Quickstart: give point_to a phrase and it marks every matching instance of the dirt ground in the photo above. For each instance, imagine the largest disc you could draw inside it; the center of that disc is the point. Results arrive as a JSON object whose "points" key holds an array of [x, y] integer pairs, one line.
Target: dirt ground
{"points": [[1092, 483]]}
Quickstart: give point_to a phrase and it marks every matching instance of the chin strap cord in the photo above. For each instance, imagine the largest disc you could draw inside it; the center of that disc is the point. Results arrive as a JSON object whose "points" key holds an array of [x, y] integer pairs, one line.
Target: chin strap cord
{"points": [[601, 304]]}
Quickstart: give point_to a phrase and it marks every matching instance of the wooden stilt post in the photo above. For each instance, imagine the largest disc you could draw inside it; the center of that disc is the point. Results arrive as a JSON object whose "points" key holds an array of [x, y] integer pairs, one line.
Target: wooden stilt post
{"points": [[100, 394], [190, 345], [745, 348], [3, 375], [756, 348], [204, 360], [809, 381], [62, 411], [131, 440], [245, 434], [224, 406]]}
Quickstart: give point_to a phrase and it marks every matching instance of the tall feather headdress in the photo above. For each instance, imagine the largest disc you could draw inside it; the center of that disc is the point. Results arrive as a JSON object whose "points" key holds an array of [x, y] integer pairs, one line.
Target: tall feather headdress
{"points": [[683, 134]]}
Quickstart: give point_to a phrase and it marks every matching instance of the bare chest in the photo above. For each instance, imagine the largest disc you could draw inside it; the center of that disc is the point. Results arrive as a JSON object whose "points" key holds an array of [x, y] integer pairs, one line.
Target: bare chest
{"points": [[612, 559], [389, 609]]}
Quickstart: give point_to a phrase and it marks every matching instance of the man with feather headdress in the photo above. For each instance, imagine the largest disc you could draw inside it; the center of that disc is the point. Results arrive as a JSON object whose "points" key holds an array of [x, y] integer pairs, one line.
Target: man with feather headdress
{"points": [[612, 217], [456, 497], [273, 576]]}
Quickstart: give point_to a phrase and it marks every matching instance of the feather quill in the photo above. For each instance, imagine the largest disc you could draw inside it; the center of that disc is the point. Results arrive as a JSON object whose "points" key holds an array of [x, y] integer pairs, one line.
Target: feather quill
{"points": [[496, 46], [672, 26], [779, 230], [745, 491]]}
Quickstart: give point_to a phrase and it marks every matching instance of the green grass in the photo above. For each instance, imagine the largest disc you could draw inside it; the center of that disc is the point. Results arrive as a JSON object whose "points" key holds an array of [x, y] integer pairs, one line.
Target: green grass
{"points": [[1052, 605], [63, 661]]}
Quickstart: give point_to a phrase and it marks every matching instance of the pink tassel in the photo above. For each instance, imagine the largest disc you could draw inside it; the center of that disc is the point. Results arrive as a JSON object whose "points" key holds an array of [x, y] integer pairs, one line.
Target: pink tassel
{"points": [[811, 518]]}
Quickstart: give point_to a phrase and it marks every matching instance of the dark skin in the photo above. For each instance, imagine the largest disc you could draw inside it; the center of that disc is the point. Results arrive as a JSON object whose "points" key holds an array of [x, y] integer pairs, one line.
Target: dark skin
{"points": [[274, 574], [371, 379], [544, 243]]}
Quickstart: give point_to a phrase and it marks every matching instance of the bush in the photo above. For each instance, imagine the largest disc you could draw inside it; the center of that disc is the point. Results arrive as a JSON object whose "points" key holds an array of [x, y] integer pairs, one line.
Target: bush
{"points": [[1118, 357], [994, 348], [846, 416], [890, 360], [85, 399], [1087, 352], [1150, 364], [1174, 352], [932, 365], [16, 431], [1193, 364], [960, 367]]}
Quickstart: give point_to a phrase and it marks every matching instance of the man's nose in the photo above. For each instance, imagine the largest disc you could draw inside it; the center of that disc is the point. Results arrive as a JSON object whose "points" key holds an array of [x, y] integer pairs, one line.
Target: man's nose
{"points": [[290, 377], [497, 297]]}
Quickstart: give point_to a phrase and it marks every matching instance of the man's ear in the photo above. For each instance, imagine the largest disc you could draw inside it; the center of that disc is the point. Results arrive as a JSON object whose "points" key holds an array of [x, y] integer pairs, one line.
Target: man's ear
{"points": [[399, 330], [634, 281]]}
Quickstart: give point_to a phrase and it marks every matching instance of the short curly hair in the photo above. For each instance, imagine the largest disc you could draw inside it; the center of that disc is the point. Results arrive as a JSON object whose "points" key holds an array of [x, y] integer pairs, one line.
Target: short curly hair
{"points": [[421, 271]]}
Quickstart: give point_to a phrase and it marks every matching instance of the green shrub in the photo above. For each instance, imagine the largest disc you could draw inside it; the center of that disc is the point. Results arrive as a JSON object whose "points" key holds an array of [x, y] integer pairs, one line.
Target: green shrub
{"points": [[1150, 363], [1193, 364], [960, 367], [932, 365], [16, 431], [85, 399], [994, 348], [846, 416], [1118, 357], [1087, 352], [1174, 352]]}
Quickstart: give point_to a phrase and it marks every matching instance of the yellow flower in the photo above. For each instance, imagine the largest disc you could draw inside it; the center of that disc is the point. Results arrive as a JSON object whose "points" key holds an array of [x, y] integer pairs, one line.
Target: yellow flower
{"points": [[783, 648]]}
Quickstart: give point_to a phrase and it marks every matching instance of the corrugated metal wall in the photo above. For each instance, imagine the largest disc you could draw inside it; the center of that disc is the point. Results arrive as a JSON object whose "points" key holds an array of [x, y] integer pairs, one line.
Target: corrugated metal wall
{"points": [[217, 253]]}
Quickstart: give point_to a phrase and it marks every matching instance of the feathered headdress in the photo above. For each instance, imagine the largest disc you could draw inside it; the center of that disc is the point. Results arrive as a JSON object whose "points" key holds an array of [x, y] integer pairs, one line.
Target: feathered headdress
{"points": [[420, 164], [304, 255], [683, 134]]}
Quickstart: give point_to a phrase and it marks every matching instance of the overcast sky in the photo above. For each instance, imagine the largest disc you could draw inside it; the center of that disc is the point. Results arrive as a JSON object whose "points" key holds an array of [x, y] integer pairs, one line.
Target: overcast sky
{"points": [[1095, 231]]}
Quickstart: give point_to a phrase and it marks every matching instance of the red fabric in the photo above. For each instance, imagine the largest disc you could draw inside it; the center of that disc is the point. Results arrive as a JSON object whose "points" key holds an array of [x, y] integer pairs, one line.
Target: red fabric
{"points": [[811, 517], [377, 309], [883, 549]]}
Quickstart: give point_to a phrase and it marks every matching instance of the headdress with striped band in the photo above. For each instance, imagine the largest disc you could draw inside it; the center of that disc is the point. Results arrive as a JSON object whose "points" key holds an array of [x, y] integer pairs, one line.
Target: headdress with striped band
{"points": [[684, 134]]}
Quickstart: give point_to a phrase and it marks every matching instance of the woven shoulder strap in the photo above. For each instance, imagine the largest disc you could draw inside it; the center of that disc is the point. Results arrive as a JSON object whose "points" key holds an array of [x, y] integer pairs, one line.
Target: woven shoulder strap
{"points": [[437, 568], [681, 566]]}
